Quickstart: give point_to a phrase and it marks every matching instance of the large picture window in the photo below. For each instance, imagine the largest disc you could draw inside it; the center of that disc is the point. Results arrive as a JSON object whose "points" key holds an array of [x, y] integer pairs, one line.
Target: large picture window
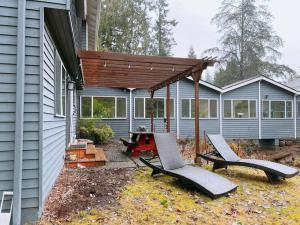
{"points": [[60, 87], [240, 109], [143, 108], [208, 108], [276, 109], [103, 107]]}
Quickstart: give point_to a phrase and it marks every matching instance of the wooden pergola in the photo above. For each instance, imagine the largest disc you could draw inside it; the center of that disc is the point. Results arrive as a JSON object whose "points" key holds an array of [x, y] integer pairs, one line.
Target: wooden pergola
{"points": [[107, 69]]}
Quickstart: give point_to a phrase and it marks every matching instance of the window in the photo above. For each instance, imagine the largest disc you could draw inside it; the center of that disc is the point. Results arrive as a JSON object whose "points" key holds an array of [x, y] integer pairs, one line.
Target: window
{"points": [[60, 87], [143, 108], [103, 107], [239, 109], [227, 108], [208, 108], [276, 109], [298, 103], [185, 104]]}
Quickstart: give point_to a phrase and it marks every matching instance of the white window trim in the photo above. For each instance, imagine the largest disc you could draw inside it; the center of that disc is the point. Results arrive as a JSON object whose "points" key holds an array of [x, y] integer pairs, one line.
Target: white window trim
{"points": [[55, 86], [155, 118], [297, 112], [92, 107], [232, 115], [275, 100], [201, 118]]}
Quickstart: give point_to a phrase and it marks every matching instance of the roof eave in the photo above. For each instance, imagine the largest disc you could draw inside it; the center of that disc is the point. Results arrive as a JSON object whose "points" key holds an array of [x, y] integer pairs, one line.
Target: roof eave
{"points": [[93, 19]]}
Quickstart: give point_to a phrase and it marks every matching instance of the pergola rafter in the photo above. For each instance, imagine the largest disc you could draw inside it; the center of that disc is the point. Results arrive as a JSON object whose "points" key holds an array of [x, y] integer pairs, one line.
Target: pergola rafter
{"points": [[108, 69]]}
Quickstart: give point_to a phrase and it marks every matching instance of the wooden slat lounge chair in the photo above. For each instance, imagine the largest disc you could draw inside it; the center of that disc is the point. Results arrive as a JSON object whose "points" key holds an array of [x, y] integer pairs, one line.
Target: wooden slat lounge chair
{"points": [[5, 216], [171, 164], [224, 156]]}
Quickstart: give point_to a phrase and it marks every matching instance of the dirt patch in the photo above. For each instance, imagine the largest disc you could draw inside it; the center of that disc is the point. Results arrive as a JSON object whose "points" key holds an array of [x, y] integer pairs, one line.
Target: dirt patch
{"points": [[83, 189]]}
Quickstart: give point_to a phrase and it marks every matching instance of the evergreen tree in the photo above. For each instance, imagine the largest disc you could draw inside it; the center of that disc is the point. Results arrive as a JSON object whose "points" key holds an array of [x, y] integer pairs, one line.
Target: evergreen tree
{"points": [[125, 26], [192, 53], [249, 45], [163, 36]]}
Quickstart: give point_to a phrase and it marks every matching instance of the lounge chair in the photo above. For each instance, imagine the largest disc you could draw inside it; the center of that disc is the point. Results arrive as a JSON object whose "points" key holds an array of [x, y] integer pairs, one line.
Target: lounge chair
{"points": [[5, 215], [171, 164], [224, 156]]}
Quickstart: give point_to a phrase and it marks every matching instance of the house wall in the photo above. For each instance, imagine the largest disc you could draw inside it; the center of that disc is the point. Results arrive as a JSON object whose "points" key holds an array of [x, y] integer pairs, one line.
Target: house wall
{"points": [[276, 128], [242, 128], [32, 183], [8, 69], [159, 125], [187, 126]]}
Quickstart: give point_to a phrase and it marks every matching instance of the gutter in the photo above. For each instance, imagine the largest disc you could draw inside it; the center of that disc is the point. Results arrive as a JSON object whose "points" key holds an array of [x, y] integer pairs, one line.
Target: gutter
{"points": [[19, 123]]}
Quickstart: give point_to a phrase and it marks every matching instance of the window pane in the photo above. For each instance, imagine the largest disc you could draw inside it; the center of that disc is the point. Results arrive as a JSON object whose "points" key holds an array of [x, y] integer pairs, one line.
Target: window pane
{"points": [[213, 109], [203, 108], [149, 108], [227, 108], [289, 109], [252, 109], [240, 109], [172, 108], [104, 107], [121, 107], [63, 91], [265, 109], [86, 107], [277, 109], [298, 109], [185, 110], [160, 107], [139, 107], [193, 108]]}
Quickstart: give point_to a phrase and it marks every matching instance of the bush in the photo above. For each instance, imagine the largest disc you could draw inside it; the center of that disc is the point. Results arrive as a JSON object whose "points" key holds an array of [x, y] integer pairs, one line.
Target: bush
{"points": [[88, 129]]}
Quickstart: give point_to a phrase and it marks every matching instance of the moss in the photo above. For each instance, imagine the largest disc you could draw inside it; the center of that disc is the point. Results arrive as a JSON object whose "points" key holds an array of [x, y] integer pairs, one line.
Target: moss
{"points": [[164, 200]]}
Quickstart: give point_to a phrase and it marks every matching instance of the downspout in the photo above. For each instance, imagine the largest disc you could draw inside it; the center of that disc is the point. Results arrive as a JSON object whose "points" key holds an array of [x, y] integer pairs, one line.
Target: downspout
{"points": [[41, 128], [130, 109], [259, 110], [295, 116], [19, 124], [221, 113], [177, 110]]}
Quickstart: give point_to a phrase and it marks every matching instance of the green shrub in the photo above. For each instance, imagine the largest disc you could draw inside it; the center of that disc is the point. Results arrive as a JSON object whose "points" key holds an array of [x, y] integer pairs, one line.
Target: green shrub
{"points": [[100, 134]]}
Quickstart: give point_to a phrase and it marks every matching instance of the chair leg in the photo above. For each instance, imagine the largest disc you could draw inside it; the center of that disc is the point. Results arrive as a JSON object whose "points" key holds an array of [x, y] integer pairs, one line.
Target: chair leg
{"points": [[154, 172], [218, 166], [273, 178]]}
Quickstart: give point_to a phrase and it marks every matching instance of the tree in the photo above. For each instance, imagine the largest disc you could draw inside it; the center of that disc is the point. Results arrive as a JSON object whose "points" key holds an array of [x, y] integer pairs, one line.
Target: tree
{"points": [[192, 53], [125, 26], [163, 36], [249, 45]]}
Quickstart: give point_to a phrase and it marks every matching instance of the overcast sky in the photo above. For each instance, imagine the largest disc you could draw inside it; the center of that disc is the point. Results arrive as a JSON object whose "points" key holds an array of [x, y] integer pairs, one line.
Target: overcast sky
{"points": [[195, 28]]}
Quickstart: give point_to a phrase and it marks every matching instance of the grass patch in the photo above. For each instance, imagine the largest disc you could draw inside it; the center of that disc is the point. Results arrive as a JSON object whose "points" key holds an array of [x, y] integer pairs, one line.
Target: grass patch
{"points": [[165, 200]]}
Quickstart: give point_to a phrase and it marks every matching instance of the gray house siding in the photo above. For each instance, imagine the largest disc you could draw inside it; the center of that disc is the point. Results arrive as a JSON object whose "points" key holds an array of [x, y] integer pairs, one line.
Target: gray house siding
{"points": [[8, 68], [297, 117], [158, 123], [54, 128], [276, 128], [32, 123], [187, 126], [242, 128], [120, 126]]}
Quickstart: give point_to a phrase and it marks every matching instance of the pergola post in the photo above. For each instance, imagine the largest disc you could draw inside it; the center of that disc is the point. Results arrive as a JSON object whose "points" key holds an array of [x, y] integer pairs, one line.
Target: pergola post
{"points": [[168, 109], [152, 113], [196, 77]]}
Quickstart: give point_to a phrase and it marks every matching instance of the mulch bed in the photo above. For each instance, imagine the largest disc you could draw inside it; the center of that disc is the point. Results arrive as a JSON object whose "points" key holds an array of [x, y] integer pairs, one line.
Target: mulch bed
{"points": [[84, 189]]}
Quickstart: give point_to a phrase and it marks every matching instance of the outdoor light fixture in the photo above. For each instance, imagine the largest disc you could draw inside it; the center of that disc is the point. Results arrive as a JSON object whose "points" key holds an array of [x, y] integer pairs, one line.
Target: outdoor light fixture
{"points": [[105, 63], [71, 85], [266, 96]]}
